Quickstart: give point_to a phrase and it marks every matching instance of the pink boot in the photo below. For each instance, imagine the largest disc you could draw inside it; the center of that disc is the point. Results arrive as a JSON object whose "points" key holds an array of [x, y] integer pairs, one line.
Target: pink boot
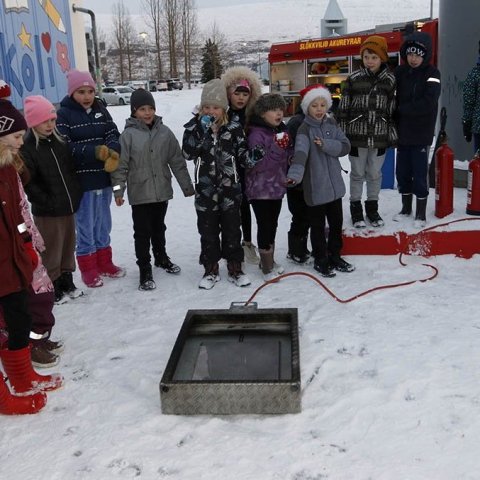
{"points": [[23, 378], [106, 266], [15, 405], [89, 270]]}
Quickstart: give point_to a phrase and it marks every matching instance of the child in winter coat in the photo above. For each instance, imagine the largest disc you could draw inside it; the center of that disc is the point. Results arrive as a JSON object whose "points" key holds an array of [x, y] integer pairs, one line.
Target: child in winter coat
{"points": [[18, 259], [92, 138], [418, 90], [243, 89], [365, 114], [150, 153], [54, 192], [471, 105], [265, 178], [217, 146], [318, 146]]}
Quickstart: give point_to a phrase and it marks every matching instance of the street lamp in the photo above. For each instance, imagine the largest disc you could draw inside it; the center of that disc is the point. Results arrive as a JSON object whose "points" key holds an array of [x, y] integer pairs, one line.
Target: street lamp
{"points": [[144, 35]]}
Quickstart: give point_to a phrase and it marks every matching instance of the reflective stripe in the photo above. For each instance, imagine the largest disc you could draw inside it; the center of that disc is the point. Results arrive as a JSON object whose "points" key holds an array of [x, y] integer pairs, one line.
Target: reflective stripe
{"points": [[433, 79], [117, 187], [38, 336]]}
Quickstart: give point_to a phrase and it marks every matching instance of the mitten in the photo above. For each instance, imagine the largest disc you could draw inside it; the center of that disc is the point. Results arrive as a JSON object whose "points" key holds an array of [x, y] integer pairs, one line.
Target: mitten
{"points": [[282, 139], [255, 155], [101, 152], [467, 130], [111, 163], [31, 252], [206, 121]]}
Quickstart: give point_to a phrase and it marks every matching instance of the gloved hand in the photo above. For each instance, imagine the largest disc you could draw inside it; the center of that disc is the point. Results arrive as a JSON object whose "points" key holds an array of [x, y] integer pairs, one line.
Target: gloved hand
{"points": [[467, 130], [206, 121], [31, 252], [255, 155], [282, 139], [111, 162], [101, 152]]}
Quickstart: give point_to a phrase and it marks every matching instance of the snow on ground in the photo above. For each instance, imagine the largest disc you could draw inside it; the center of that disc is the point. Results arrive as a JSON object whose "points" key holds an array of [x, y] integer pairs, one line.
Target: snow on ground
{"points": [[389, 381]]}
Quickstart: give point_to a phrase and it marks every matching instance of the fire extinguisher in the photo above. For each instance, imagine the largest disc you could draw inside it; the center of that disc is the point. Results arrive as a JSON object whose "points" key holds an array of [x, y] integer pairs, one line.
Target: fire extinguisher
{"points": [[443, 172], [473, 185]]}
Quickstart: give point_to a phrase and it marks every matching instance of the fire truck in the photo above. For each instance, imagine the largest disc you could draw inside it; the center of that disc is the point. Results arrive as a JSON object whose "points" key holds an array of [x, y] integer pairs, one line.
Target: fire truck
{"points": [[328, 61]]}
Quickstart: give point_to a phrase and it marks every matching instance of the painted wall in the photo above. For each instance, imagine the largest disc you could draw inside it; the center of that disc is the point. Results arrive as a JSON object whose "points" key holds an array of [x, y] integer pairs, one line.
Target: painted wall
{"points": [[39, 43]]}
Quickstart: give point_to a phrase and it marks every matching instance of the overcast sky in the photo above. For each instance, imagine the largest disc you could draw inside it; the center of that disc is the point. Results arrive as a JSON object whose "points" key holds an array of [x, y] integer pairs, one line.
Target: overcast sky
{"points": [[134, 6]]}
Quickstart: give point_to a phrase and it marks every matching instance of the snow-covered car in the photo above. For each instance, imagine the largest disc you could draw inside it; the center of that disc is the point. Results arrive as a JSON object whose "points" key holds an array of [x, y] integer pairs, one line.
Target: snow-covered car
{"points": [[117, 95]]}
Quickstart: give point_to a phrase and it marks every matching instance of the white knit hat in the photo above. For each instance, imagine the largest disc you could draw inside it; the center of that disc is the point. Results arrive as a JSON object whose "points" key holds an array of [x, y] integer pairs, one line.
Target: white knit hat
{"points": [[311, 95]]}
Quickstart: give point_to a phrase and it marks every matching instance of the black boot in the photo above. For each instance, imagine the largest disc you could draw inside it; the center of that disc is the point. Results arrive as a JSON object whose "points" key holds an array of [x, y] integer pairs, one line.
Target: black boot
{"points": [[406, 210], [371, 209], [322, 266], [420, 213], [67, 285], [146, 278], [356, 211], [163, 261], [297, 248], [58, 290]]}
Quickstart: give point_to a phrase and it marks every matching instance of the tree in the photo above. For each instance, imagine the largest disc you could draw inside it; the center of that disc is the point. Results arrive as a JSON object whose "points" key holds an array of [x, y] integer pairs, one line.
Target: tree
{"points": [[155, 20], [123, 33], [189, 31], [211, 63]]}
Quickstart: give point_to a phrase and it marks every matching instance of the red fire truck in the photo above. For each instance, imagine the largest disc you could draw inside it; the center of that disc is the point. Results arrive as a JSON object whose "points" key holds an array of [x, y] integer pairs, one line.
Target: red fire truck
{"points": [[294, 65]]}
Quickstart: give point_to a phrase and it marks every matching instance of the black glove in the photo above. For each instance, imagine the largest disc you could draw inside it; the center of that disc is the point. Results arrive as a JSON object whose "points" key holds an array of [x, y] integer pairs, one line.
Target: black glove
{"points": [[467, 130]]}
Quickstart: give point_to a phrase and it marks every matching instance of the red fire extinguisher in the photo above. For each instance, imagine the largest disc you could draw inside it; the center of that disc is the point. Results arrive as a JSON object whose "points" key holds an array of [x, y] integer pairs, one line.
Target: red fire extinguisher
{"points": [[473, 185], [443, 172]]}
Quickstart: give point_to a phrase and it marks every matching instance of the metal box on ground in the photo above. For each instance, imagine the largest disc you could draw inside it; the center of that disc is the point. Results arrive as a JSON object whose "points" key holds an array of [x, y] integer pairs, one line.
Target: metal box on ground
{"points": [[235, 361]]}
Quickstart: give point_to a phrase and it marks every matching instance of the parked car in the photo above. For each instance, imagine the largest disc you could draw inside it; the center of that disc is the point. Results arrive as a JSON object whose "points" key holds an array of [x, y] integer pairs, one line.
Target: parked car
{"points": [[135, 84], [117, 94], [162, 85], [174, 84]]}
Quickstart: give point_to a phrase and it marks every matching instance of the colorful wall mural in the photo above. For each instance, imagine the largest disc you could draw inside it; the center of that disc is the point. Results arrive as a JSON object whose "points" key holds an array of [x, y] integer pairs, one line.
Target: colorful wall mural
{"points": [[36, 48]]}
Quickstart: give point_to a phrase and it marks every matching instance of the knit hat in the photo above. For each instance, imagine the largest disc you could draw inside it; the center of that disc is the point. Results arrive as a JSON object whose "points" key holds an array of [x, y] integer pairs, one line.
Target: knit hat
{"points": [[5, 91], [376, 44], [269, 101], [139, 98], [214, 93], [318, 91], [77, 79], [37, 109], [416, 48], [11, 120], [240, 86]]}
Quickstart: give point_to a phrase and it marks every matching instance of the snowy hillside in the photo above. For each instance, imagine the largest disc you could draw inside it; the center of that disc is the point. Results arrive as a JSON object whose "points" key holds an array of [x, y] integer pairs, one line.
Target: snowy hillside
{"points": [[294, 19]]}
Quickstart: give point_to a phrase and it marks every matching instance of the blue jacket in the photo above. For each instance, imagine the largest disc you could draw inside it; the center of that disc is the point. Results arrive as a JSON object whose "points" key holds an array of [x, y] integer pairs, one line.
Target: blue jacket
{"points": [[84, 130]]}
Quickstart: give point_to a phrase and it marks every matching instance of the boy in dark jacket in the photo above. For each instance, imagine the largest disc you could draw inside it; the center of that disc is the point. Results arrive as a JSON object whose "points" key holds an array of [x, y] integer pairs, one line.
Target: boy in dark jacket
{"points": [[471, 105], [418, 90]]}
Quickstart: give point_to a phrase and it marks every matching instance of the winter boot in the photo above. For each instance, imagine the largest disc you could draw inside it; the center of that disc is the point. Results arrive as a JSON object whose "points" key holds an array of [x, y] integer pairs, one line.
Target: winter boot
{"points": [[236, 275], [106, 266], [210, 277], [14, 405], [146, 278], [54, 346], [267, 264], [67, 285], [164, 262], [297, 249], [356, 211], [23, 378], [89, 270], [371, 210], [58, 290], [339, 264], [42, 357], [277, 267], [420, 213], [250, 253], [322, 266], [406, 210]]}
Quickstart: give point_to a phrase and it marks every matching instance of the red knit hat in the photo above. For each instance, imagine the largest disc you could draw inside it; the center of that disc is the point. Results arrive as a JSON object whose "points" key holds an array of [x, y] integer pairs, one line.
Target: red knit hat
{"points": [[317, 91], [38, 109], [5, 91], [305, 90]]}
